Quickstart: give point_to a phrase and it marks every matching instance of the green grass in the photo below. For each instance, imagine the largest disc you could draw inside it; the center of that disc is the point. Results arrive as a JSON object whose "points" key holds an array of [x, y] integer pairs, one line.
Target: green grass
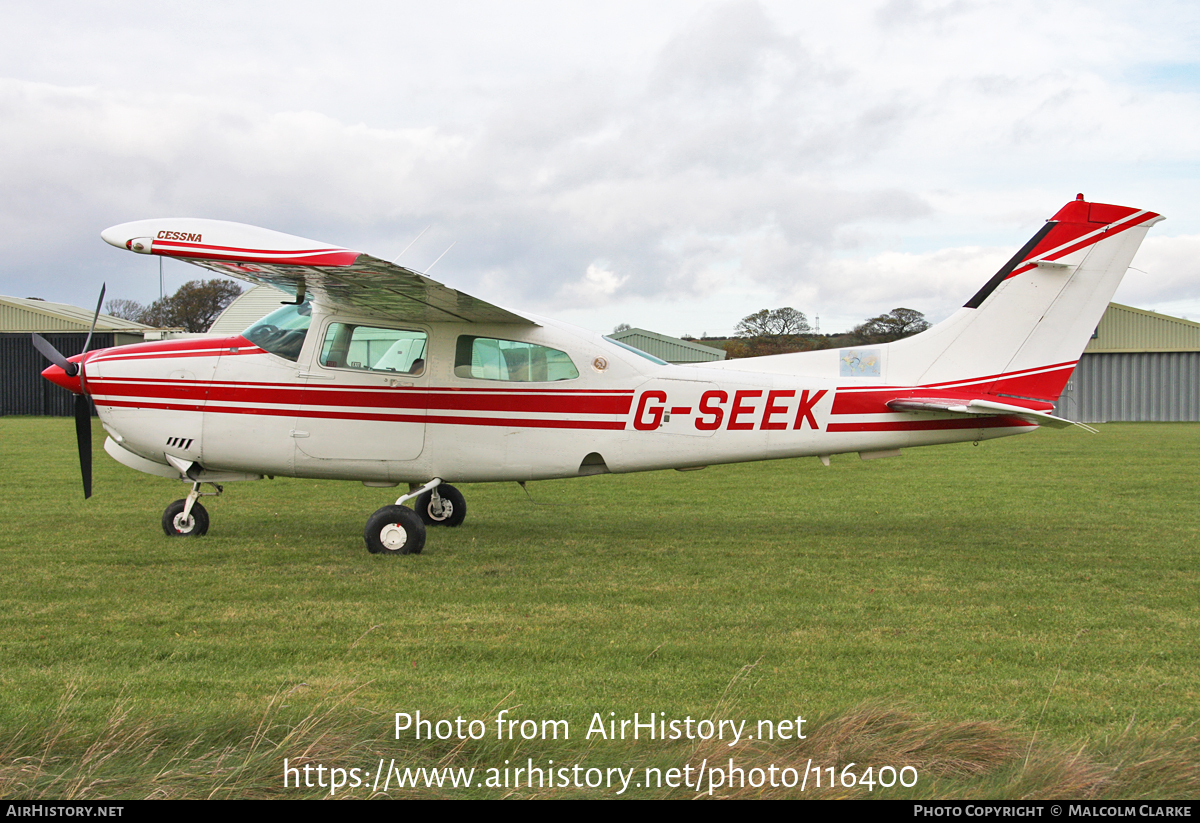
{"points": [[1044, 585]]}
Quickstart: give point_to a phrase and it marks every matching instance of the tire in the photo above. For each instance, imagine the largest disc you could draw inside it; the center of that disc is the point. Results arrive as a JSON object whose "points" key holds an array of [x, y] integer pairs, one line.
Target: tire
{"points": [[453, 510], [395, 530], [175, 526]]}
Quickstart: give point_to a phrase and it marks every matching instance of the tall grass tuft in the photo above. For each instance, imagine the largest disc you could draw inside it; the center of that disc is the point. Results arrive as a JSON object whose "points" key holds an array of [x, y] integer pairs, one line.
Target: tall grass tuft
{"points": [[136, 758], [969, 760]]}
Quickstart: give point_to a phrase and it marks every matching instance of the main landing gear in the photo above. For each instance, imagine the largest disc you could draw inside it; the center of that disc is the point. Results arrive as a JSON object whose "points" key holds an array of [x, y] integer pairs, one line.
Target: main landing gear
{"points": [[394, 529], [187, 518], [442, 506], [397, 529]]}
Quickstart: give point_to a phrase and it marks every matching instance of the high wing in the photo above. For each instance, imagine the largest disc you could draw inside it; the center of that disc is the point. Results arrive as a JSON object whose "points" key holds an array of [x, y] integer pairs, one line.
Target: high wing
{"points": [[333, 275]]}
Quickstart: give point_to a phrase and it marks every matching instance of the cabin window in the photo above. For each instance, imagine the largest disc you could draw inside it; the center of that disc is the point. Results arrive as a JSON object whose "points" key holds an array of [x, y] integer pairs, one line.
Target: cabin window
{"points": [[486, 358], [370, 348], [282, 332]]}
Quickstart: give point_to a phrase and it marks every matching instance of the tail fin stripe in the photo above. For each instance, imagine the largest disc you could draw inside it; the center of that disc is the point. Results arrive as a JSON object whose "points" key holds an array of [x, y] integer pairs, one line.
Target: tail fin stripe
{"points": [[1079, 238], [1007, 269], [1087, 240]]}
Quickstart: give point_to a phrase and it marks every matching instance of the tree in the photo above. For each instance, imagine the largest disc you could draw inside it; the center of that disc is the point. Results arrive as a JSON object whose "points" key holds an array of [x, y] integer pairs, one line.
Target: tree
{"points": [[894, 325], [773, 323], [770, 331], [622, 327], [125, 309], [193, 307]]}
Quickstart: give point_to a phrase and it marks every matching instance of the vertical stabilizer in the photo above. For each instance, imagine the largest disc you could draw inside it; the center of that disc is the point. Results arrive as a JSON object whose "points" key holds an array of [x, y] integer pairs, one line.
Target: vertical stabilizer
{"points": [[1022, 333]]}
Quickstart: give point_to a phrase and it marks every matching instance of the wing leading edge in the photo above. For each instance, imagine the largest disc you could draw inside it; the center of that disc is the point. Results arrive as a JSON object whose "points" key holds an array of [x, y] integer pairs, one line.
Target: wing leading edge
{"points": [[334, 275]]}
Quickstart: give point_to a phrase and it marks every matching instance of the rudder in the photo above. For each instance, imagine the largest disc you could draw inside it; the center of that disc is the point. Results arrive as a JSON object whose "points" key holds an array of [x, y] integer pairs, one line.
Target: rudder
{"points": [[1022, 333]]}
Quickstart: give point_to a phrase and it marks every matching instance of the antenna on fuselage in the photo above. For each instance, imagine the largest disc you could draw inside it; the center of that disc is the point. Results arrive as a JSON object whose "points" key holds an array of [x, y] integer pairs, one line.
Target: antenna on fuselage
{"points": [[440, 256], [396, 259]]}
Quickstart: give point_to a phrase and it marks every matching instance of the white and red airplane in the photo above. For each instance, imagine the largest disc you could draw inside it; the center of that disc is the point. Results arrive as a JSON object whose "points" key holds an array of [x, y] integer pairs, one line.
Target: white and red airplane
{"points": [[378, 374]]}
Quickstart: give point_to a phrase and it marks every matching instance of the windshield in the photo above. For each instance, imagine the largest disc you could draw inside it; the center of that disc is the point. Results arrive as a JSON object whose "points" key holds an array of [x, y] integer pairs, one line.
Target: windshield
{"points": [[282, 331]]}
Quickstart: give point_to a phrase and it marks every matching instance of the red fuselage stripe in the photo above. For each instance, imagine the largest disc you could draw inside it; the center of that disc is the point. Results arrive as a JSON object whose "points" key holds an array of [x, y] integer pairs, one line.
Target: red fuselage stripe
{"points": [[964, 382], [349, 398], [204, 384], [931, 425], [515, 422]]}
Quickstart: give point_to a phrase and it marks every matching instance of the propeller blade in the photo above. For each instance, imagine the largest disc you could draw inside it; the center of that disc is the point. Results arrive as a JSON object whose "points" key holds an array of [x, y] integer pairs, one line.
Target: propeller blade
{"points": [[83, 405], [88, 342], [54, 355], [83, 434]]}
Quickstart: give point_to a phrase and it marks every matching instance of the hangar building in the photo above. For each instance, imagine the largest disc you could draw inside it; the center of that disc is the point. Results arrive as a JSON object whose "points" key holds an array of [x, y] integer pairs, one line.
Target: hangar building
{"points": [[1139, 365], [671, 349], [248, 308], [22, 389]]}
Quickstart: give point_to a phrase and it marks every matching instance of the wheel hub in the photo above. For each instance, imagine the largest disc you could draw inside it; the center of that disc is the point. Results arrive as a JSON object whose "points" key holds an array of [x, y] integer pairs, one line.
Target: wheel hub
{"points": [[393, 536], [184, 525], [441, 509]]}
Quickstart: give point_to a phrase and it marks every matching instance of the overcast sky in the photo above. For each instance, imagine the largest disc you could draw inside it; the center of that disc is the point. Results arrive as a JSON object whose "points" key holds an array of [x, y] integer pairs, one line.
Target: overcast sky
{"points": [[672, 165]]}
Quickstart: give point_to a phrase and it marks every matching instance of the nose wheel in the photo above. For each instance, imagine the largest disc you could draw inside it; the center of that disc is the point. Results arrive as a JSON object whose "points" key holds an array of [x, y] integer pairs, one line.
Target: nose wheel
{"points": [[187, 518], [178, 524]]}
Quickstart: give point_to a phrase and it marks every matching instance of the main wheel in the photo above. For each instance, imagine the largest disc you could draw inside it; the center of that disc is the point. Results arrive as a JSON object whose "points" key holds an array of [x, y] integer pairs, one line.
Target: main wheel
{"points": [[450, 510], [175, 525], [395, 530]]}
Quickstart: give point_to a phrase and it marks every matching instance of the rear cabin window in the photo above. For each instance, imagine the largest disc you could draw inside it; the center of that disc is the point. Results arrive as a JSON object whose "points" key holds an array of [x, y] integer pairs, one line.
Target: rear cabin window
{"points": [[486, 358], [282, 332], [371, 348]]}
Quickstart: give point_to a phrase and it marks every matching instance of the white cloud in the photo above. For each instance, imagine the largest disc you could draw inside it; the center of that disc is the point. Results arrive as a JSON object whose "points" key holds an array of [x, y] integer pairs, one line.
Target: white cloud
{"points": [[598, 287], [935, 283], [1165, 271], [845, 159]]}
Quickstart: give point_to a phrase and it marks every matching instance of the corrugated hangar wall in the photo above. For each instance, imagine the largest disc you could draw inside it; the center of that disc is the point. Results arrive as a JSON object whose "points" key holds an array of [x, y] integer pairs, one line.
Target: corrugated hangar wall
{"points": [[1134, 386], [22, 388], [1139, 366], [671, 349]]}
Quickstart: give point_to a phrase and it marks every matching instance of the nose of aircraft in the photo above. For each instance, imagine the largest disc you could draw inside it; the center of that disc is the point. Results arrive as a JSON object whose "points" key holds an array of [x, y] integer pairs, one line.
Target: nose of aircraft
{"points": [[59, 377]]}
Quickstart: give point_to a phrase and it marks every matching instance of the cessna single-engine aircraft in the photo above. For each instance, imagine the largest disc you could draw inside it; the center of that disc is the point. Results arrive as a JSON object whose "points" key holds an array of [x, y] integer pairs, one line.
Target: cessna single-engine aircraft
{"points": [[378, 374]]}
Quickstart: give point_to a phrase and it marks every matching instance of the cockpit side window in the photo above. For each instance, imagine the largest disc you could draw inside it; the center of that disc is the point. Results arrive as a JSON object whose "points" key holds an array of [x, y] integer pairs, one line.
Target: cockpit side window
{"points": [[486, 358], [370, 348], [282, 332]]}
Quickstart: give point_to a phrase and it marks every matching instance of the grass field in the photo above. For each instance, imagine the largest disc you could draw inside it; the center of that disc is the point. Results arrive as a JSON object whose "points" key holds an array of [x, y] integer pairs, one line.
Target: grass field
{"points": [[1016, 618]]}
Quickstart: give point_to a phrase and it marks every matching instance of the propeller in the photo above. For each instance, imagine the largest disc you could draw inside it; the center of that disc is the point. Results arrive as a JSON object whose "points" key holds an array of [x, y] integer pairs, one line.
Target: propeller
{"points": [[83, 405], [83, 436]]}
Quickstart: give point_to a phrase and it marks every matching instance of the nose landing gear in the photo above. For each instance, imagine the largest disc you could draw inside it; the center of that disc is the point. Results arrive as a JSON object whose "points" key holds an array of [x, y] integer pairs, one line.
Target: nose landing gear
{"points": [[177, 524], [187, 518]]}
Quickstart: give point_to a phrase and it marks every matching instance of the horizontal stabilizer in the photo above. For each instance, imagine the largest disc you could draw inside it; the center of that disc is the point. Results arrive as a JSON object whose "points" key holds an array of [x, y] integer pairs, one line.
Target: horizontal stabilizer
{"points": [[976, 406]]}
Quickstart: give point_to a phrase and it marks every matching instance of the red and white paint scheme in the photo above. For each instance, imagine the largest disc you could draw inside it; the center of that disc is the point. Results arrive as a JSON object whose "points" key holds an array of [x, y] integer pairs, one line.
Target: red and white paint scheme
{"points": [[378, 374]]}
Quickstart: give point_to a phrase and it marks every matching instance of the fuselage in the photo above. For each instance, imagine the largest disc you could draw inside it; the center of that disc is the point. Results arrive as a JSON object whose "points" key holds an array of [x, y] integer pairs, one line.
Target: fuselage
{"points": [[359, 398]]}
